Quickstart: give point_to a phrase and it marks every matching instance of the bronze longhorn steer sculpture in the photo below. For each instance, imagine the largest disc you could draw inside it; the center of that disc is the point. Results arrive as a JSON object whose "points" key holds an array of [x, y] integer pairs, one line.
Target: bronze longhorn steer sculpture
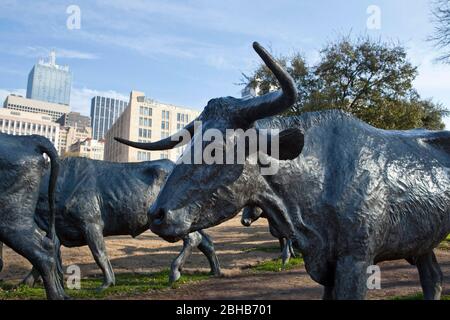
{"points": [[348, 195], [97, 199], [22, 166]]}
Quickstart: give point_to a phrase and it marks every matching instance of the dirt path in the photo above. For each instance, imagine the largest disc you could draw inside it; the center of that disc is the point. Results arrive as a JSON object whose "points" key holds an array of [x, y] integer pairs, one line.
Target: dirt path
{"points": [[235, 247], [149, 253], [398, 279]]}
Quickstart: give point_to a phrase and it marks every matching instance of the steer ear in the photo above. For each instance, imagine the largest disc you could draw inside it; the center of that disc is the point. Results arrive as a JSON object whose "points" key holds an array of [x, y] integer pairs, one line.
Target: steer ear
{"points": [[290, 142]]}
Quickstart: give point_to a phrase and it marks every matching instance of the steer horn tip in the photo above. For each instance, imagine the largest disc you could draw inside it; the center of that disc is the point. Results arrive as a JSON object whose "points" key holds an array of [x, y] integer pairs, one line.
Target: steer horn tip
{"points": [[119, 139], [256, 45]]}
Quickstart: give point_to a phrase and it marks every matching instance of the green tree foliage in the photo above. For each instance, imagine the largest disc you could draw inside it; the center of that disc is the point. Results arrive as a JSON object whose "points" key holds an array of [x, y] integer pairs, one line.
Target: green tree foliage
{"points": [[371, 79]]}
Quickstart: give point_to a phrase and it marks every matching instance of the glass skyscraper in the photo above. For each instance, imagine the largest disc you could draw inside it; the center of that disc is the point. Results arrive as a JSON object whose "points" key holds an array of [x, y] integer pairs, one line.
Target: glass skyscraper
{"points": [[50, 82], [104, 112]]}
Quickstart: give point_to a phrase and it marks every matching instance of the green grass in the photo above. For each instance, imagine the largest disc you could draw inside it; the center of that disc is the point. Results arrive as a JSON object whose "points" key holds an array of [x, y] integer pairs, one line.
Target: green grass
{"points": [[445, 245], [126, 285], [417, 296], [276, 265]]}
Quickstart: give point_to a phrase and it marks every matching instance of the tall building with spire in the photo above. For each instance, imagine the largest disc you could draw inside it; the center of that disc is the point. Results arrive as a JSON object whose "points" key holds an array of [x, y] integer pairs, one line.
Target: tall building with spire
{"points": [[50, 82]]}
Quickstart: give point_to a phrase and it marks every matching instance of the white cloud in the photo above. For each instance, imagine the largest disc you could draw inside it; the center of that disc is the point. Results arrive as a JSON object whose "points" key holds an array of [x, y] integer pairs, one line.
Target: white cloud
{"points": [[74, 54], [80, 98], [155, 45], [41, 52], [220, 16]]}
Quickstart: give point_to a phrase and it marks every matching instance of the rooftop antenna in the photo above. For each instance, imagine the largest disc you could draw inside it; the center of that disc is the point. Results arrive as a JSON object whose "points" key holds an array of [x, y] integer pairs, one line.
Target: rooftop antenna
{"points": [[52, 57]]}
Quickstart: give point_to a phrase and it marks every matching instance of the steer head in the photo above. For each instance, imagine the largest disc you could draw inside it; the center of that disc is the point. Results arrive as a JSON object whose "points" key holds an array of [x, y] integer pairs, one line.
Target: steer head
{"points": [[201, 195], [250, 215]]}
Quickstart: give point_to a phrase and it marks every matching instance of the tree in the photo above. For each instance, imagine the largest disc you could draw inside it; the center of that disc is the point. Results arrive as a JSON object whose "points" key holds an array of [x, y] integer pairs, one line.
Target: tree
{"points": [[441, 20], [370, 79]]}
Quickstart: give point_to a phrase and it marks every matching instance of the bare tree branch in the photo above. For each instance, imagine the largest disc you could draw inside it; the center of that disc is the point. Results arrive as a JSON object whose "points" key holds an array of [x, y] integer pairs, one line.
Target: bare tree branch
{"points": [[441, 36]]}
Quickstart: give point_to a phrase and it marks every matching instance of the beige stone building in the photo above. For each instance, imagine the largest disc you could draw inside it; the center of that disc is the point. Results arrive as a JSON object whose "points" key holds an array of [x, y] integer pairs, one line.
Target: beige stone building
{"points": [[70, 135], [26, 123], [88, 148], [54, 110], [146, 120]]}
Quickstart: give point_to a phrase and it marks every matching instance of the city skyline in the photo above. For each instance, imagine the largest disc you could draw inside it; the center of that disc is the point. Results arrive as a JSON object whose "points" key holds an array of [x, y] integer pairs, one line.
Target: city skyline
{"points": [[181, 54]]}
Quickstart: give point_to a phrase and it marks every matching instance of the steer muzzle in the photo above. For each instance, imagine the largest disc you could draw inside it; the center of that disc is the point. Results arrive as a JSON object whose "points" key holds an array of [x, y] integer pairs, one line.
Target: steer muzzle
{"points": [[165, 224]]}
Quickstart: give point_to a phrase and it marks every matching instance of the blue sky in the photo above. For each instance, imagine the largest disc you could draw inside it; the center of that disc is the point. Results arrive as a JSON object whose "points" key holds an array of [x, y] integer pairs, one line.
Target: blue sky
{"points": [[186, 52]]}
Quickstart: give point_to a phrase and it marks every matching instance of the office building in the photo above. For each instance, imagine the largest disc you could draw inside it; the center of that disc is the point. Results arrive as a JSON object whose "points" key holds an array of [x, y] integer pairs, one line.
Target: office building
{"points": [[50, 82], [146, 120], [75, 120], [104, 112], [23, 123], [88, 148], [19, 103], [71, 135]]}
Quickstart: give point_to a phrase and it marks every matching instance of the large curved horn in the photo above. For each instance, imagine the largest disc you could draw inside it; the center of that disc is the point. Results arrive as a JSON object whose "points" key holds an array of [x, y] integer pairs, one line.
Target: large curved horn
{"points": [[164, 144], [271, 103]]}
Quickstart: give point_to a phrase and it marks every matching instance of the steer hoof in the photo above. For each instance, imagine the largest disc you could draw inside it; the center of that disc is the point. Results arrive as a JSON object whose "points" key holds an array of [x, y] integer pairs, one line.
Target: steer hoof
{"points": [[216, 273], [65, 297], [29, 281], [103, 287], [174, 276]]}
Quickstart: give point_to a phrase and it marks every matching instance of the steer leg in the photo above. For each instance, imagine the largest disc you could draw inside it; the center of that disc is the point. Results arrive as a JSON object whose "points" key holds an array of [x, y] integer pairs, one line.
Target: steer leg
{"points": [[328, 293], [31, 243], [285, 250], [192, 240], [32, 277], [94, 237], [351, 278], [430, 276], [207, 247]]}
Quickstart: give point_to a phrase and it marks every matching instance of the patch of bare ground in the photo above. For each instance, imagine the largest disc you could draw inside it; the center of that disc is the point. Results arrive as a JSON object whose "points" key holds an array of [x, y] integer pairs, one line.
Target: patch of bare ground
{"points": [[236, 247]]}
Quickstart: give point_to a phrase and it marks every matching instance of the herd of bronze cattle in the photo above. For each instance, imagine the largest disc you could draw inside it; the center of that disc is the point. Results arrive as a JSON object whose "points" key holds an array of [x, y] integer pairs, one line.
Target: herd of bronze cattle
{"points": [[345, 194]]}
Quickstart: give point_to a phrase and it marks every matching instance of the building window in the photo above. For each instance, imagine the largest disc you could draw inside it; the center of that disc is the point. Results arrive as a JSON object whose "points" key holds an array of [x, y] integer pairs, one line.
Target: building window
{"points": [[143, 156], [164, 156]]}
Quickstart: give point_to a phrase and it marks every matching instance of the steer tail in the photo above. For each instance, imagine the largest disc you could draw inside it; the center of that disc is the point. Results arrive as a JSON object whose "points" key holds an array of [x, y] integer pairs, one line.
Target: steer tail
{"points": [[46, 147]]}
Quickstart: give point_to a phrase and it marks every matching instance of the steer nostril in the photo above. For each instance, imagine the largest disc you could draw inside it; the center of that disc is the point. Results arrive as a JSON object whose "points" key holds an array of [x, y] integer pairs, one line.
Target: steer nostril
{"points": [[158, 216]]}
